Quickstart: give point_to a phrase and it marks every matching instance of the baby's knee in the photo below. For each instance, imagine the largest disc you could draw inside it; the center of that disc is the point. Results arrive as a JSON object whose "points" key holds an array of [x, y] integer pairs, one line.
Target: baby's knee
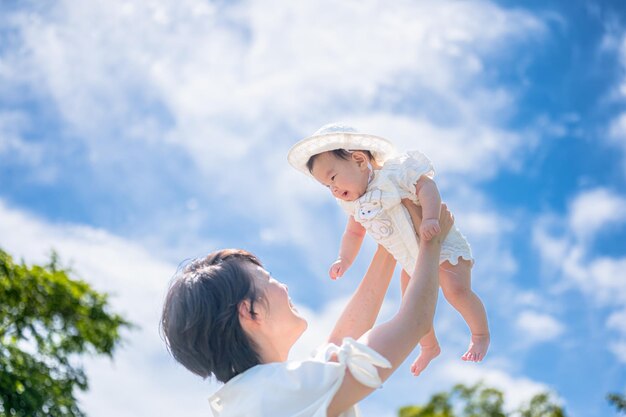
{"points": [[454, 287]]}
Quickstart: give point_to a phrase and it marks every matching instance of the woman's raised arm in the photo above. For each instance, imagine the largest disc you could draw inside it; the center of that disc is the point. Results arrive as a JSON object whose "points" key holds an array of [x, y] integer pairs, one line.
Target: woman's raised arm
{"points": [[360, 313], [396, 338]]}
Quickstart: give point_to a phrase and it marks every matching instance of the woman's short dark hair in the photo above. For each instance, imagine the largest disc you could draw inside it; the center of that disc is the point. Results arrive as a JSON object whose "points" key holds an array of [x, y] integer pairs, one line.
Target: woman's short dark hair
{"points": [[200, 318], [339, 153]]}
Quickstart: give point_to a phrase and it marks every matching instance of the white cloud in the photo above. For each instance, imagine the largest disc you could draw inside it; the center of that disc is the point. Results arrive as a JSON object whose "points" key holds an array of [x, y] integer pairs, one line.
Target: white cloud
{"points": [[19, 151], [517, 389], [615, 41], [553, 249], [445, 371], [618, 348], [617, 129], [234, 85], [137, 281], [565, 244], [530, 299], [594, 210], [617, 321], [598, 278], [472, 146], [10, 125], [538, 327], [448, 370]]}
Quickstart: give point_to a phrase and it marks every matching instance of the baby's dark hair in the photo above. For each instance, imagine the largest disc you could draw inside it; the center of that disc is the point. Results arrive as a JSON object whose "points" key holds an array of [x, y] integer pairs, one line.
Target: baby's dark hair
{"points": [[200, 318], [339, 153]]}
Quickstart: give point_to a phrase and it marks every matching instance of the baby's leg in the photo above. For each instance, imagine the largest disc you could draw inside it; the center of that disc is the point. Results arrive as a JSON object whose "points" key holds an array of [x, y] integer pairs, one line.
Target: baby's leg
{"points": [[455, 282], [428, 344]]}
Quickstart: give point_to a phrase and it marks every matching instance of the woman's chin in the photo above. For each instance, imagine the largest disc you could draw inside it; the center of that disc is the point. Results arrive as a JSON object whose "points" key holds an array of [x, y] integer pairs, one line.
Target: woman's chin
{"points": [[305, 325]]}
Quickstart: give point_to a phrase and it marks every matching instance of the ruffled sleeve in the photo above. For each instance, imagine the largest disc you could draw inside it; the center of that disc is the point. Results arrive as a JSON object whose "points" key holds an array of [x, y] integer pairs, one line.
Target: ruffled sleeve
{"points": [[408, 168], [298, 388]]}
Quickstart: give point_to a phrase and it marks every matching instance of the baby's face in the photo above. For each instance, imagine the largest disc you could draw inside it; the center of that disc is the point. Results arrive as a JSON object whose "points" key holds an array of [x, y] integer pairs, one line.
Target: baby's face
{"points": [[346, 179]]}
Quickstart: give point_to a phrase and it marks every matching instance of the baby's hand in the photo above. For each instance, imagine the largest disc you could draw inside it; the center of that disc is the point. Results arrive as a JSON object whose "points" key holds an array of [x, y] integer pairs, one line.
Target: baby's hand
{"points": [[429, 228], [338, 268]]}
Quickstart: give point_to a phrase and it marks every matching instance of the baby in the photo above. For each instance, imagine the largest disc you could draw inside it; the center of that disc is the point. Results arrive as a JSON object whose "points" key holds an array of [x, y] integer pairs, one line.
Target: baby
{"points": [[369, 181]]}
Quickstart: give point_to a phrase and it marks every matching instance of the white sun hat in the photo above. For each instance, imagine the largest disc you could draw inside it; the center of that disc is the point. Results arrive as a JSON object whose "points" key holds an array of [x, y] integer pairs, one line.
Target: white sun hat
{"points": [[337, 136]]}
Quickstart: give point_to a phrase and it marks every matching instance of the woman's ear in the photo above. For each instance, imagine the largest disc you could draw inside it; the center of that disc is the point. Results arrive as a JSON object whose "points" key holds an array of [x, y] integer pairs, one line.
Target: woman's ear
{"points": [[250, 321], [246, 314]]}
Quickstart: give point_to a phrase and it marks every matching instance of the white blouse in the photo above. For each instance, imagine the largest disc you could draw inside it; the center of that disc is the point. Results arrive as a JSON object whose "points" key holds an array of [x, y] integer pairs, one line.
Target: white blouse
{"points": [[298, 388]]}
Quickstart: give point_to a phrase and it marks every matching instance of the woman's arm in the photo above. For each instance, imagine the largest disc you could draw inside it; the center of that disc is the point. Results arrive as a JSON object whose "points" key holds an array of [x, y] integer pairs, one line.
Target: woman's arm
{"points": [[360, 313], [396, 338]]}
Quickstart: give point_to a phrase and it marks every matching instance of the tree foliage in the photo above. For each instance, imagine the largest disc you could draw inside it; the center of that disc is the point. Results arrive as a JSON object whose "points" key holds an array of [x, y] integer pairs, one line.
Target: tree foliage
{"points": [[480, 401], [47, 321], [618, 400]]}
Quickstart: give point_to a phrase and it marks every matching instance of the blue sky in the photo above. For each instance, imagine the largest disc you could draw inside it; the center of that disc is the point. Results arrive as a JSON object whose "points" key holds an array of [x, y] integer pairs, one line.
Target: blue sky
{"points": [[134, 135]]}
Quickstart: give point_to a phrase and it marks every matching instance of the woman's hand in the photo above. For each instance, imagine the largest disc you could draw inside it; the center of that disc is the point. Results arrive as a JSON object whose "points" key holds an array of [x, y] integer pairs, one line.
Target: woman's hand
{"points": [[446, 220], [429, 228], [415, 212]]}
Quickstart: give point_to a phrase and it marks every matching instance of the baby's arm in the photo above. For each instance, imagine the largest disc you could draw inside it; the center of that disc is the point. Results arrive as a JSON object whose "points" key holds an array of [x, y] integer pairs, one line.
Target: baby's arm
{"points": [[430, 200], [350, 245]]}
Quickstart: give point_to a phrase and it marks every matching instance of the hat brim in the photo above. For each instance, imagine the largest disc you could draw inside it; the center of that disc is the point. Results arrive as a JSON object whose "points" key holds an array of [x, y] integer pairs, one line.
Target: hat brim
{"points": [[301, 152]]}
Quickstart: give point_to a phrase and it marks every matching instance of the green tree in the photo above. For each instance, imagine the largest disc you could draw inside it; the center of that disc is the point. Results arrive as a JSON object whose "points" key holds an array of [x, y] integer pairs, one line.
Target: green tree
{"points": [[47, 320], [478, 400], [541, 405], [618, 400]]}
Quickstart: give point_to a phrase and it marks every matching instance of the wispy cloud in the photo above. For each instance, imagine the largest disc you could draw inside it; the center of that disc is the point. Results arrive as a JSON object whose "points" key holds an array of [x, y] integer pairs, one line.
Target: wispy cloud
{"points": [[617, 323], [517, 389], [185, 110], [566, 243], [595, 210], [614, 42], [136, 282], [538, 327], [234, 85]]}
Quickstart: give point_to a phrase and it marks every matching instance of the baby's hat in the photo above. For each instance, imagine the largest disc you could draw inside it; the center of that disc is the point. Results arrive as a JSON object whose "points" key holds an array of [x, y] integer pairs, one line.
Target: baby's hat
{"points": [[338, 136]]}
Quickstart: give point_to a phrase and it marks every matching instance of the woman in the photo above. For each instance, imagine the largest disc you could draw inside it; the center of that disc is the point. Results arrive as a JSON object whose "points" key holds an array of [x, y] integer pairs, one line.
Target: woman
{"points": [[226, 316]]}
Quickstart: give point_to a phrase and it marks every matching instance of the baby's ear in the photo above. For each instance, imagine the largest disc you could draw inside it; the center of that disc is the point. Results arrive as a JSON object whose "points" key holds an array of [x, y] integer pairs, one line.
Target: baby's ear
{"points": [[360, 158]]}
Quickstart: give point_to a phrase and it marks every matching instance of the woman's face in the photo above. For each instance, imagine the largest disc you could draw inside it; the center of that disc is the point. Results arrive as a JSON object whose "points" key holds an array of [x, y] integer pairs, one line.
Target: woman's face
{"points": [[280, 316]]}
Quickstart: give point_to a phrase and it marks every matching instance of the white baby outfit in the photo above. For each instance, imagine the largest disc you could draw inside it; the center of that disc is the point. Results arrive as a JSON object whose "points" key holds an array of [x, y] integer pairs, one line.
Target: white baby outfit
{"points": [[381, 212], [298, 388]]}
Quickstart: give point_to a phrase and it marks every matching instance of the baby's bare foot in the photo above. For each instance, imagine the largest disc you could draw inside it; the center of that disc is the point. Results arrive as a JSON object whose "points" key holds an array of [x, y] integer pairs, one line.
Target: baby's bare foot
{"points": [[427, 354], [477, 349]]}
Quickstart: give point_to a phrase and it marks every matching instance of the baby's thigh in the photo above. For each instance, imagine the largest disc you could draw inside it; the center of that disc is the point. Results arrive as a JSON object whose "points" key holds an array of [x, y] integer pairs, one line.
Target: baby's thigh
{"points": [[404, 281], [456, 279]]}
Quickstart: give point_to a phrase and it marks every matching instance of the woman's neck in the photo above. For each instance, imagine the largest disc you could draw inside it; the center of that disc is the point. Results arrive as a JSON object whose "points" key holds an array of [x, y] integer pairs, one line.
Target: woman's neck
{"points": [[270, 352]]}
